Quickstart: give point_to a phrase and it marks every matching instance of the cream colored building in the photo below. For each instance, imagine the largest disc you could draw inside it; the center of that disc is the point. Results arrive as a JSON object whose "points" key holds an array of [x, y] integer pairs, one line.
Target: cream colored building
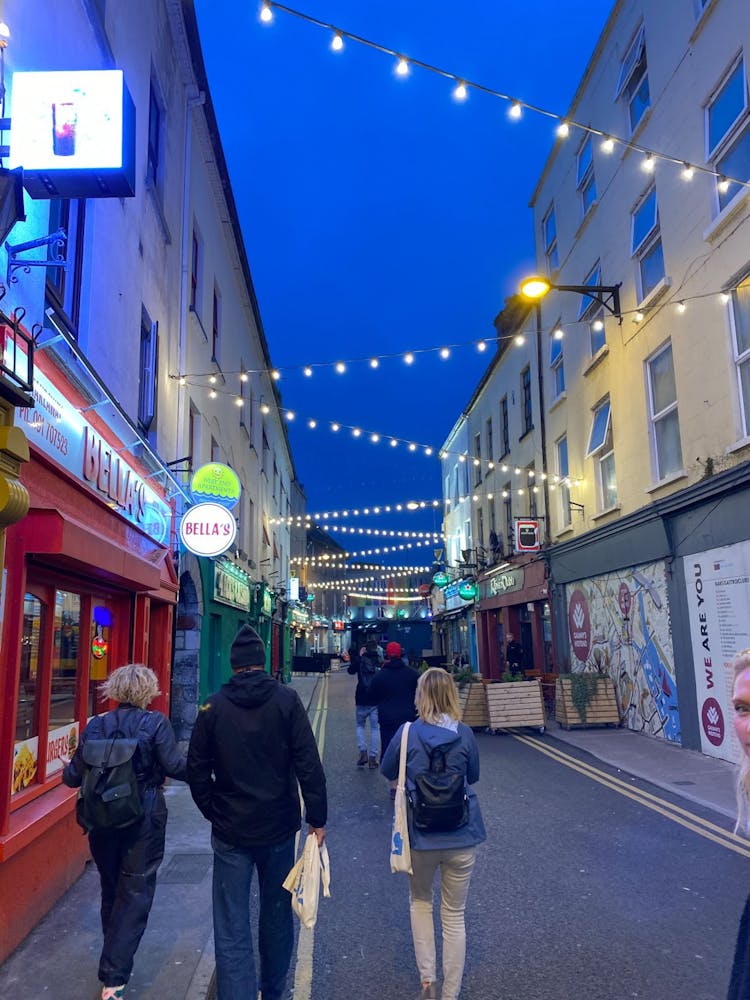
{"points": [[652, 413]]}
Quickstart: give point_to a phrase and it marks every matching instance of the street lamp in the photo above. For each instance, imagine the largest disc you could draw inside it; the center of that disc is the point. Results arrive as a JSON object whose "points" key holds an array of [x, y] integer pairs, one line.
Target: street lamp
{"points": [[608, 296]]}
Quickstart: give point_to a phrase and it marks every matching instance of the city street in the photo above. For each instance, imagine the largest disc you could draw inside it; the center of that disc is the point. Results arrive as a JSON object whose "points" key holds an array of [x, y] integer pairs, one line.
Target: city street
{"points": [[591, 884]]}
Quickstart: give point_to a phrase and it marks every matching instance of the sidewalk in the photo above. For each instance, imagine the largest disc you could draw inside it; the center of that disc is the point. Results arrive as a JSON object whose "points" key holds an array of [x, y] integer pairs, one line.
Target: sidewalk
{"points": [[175, 959]]}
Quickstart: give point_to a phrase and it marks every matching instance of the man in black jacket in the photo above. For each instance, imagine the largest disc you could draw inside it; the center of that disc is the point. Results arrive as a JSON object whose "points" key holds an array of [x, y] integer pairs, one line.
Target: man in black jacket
{"points": [[251, 743]]}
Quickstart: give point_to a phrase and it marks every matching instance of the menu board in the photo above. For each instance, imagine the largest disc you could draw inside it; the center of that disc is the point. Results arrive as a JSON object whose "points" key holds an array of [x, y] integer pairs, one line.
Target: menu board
{"points": [[718, 594]]}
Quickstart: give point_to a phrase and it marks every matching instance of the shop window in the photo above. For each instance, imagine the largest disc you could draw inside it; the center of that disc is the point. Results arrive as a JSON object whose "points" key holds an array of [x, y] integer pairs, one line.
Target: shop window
{"points": [[101, 631], [64, 666], [27, 722]]}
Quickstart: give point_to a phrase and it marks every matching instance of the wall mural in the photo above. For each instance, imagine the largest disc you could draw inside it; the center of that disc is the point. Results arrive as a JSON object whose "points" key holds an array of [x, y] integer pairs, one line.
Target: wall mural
{"points": [[619, 624]]}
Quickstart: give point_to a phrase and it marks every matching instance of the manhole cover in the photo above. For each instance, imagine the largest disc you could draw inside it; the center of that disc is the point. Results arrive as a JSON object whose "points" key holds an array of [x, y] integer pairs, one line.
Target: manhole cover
{"points": [[185, 869]]}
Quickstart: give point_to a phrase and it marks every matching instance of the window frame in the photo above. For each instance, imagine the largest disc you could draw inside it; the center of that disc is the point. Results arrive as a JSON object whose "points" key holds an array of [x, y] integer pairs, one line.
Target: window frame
{"points": [[488, 439], [642, 251], [196, 271], [477, 455], [741, 357], [155, 137], [563, 474], [216, 324], [505, 426], [527, 402], [734, 135], [633, 74], [550, 242], [656, 417], [586, 178], [557, 362], [148, 386]]}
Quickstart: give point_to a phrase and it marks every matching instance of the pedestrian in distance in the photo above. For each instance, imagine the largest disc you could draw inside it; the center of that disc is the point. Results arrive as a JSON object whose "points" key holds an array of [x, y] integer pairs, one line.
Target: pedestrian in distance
{"points": [[128, 857], [366, 667], [739, 985], [393, 690], [514, 655], [251, 743], [451, 852]]}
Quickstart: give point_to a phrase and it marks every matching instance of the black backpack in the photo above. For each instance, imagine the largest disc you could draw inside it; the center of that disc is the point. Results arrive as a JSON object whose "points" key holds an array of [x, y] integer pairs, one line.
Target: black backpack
{"points": [[439, 801], [369, 665], [110, 796]]}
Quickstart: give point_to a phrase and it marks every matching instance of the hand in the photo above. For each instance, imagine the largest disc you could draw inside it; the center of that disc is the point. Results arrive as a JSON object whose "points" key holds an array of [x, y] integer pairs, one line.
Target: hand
{"points": [[320, 833], [65, 760]]}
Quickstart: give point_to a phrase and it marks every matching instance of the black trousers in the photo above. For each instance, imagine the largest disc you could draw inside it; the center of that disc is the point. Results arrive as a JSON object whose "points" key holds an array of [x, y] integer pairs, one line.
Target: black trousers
{"points": [[127, 861], [739, 986]]}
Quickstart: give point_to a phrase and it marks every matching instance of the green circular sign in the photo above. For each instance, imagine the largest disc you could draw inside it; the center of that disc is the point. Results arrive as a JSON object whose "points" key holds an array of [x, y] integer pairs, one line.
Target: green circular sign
{"points": [[216, 483], [441, 579], [467, 590]]}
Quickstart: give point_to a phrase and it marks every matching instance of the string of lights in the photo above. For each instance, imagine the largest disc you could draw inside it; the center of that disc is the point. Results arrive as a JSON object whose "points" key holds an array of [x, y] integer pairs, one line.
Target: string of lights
{"points": [[384, 549], [383, 532], [558, 332], [462, 87], [409, 505]]}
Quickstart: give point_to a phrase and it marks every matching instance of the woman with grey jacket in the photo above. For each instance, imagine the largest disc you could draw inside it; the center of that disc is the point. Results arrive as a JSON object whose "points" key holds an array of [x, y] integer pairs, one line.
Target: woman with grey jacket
{"points": [[452, 852]]}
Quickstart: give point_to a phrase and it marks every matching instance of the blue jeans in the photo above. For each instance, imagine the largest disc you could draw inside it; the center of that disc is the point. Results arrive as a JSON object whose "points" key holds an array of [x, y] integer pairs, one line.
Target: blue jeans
{"points": [[363, 713], [236, 978]]}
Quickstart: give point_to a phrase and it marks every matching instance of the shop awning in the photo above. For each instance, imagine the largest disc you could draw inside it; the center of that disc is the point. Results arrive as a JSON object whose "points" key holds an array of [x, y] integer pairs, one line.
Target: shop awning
{"points": [[77, 546]]}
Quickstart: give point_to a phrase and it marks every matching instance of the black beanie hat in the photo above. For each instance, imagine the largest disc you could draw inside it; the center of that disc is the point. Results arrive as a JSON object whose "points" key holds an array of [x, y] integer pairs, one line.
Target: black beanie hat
{"points": [[248, 649]]}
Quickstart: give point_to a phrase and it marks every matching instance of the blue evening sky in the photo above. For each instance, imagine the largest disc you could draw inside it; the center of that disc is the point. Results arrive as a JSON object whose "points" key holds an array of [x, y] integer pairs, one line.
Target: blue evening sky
{"points": [[380, 215]]}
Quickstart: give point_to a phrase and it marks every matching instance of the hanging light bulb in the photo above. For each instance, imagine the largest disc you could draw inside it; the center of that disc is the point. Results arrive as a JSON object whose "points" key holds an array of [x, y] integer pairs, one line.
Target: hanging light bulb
{"points": [[639, 317], [212, 380], [681, 307], [374, 363], [375, 438], [725, 297], [515, 110], [409, 358], [340, 367], [444, 353], [337, 42], [335, 427], [559, 333], [402, 67], [394, 443], [183, 380], [290, 414], [723, 185], [239, 401], [481, 346], [266, 14], [519, 340], [648, 163], [265, 408], [563, 130], [608, 144], [356, 432], [308, 371], [276, 375], [412, 447], [460, 93], [597, 325], [213, 394], [428, 452], [244, 376], [688, 172]]}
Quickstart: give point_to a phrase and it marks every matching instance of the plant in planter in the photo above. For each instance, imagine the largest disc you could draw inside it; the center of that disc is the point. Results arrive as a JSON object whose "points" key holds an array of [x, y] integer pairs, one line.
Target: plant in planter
{"points": [[465, 676], [510, 676], [582, 690], [586, 699]]}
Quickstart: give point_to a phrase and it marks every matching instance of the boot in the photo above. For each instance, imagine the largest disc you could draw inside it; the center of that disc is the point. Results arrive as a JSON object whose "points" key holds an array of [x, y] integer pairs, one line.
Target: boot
{"points": [[362, 758], [373, 762]]}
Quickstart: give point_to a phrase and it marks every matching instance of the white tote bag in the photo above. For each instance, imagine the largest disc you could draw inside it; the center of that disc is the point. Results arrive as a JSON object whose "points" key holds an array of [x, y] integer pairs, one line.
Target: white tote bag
{"points": [[303, 881], [400, 849]]}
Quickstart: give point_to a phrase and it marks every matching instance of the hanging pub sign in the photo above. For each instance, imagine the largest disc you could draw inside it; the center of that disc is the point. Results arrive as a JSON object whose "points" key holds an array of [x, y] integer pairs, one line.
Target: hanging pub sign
{"points": [[467, 590], [208, 529], [527, 535], [73, 133], [441, 579]]}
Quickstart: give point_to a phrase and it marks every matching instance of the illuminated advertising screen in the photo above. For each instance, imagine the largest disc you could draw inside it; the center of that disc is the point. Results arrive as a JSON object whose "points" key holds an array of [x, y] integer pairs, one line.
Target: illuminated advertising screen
{"points": [[73, 133]]}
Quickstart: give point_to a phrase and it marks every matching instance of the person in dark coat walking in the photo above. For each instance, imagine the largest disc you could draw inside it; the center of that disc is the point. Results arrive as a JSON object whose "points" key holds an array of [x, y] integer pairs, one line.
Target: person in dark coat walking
{"points": [[252, 742], [366, 667], [128, 858], [393, 690]]}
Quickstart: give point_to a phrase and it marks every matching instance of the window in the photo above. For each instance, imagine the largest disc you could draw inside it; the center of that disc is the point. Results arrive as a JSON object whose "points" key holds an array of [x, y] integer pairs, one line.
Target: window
{"points": [[586, 181], [508, 516], [63, 284], [563, 486], [556, 363], [728, 133], [601, 448], [590, 311], [480, 527], [646, 247], [155, 129], [194, 436], [533, 490], [549, 232], [275, 478], [528, 422], [215, 450], [196, 271], [488, 438], [665, 427], [504, 427], [477, 459], [632, 85], [149, 368], [741, 334], [216, 327], [250, 525], [244, 378]]}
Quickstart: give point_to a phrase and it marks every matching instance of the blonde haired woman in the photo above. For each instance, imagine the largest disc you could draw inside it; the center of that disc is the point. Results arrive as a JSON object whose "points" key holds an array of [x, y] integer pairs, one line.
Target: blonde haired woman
{"points": [[451, 852], [739, 986], [128, 858]]}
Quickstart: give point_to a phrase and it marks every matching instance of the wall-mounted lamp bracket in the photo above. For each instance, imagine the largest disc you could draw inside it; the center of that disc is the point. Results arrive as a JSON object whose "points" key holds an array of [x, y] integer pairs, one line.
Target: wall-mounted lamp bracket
{"points": [[57, 259]]}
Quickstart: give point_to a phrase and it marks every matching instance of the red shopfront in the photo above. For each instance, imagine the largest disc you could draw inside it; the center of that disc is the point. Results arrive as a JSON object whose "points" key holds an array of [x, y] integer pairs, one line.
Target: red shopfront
{"points": [[87, 587], [514, 600]]}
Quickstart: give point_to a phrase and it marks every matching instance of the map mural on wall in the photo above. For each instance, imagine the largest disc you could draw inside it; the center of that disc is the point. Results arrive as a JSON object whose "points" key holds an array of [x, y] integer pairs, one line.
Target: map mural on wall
{"points": [[619, 624]]}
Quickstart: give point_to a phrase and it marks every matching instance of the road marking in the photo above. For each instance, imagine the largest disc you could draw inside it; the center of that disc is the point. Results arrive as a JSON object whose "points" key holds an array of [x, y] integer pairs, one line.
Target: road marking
{"points": [[703, 827], [303, 967]]}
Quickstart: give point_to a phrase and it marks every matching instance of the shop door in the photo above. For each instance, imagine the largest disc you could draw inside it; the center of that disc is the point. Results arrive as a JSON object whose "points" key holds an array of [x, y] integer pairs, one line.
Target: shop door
{"points": [[525, 637]]}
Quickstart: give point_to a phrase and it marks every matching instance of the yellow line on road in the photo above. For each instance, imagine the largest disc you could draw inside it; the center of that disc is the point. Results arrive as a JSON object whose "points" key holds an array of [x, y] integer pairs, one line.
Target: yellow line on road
{"points": [[303, 968], [703, 827]]}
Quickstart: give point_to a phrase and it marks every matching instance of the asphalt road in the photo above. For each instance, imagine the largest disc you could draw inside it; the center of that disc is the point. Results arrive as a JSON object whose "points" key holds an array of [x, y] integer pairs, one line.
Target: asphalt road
{"points": [[585, 888]]}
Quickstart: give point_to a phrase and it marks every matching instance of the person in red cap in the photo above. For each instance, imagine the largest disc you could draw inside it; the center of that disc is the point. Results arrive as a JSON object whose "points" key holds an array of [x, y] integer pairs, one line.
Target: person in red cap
{"points": [[393, 689]]}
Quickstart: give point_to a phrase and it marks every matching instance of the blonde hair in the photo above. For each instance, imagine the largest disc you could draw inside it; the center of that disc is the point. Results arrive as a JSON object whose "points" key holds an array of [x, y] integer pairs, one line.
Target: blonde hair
{"points": [[134, 684], [741, 663], [436, 696]]}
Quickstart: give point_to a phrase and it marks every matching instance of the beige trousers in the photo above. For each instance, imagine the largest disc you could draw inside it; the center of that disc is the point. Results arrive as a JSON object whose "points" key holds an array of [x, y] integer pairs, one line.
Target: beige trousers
{"points": [[455, 872]]}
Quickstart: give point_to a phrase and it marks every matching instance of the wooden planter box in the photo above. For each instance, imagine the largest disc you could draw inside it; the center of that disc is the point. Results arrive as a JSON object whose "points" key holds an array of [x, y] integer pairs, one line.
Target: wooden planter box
{"points": [[601, 710], [473, 702], [514, 704]]}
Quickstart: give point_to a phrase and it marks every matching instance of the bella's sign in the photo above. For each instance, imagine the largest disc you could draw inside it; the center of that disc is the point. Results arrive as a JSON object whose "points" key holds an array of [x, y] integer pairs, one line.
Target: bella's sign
{"points": [[208, 529], [105, 471]]}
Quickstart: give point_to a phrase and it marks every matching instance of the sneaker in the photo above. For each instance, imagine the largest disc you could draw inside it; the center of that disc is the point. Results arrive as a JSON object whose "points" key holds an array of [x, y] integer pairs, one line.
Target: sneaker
{"points": [[373, 762], [362, 758], [113, 992], [428, 992]]}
